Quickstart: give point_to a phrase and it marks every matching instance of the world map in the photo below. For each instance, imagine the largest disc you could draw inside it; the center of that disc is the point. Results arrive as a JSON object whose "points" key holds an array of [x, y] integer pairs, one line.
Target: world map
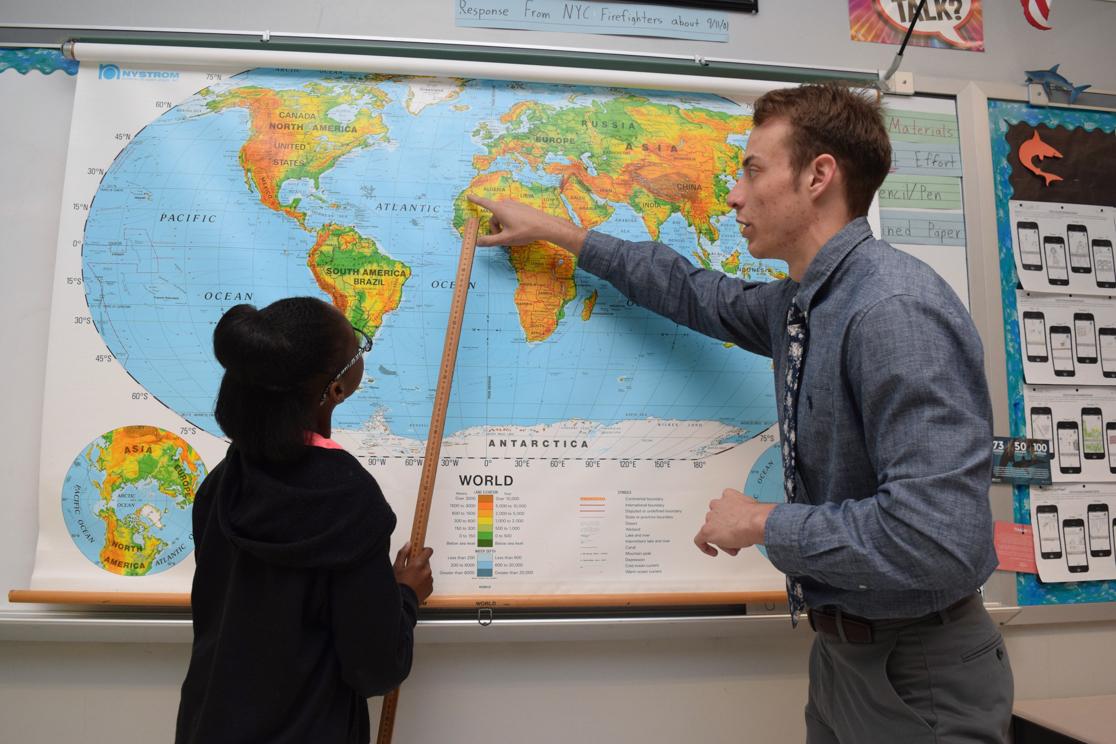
{"points": [[128, 497], [352, 188]]}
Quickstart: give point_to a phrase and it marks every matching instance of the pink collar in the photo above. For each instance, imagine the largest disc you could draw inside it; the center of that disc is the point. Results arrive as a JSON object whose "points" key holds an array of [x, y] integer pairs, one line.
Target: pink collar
{"points": [[314, 439]]}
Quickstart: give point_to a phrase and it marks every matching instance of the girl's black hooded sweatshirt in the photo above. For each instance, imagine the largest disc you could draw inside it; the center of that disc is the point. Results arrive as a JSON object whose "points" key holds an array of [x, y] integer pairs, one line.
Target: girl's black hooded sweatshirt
{"points": [[297, 614]]}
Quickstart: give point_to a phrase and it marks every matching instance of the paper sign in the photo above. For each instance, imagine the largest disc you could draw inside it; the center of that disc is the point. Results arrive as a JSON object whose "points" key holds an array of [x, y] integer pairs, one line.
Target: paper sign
{"points": [[595, 18], [922, 128], [914, 159], [1015, 548], [922, 228], [943, 24], [920, 192]]}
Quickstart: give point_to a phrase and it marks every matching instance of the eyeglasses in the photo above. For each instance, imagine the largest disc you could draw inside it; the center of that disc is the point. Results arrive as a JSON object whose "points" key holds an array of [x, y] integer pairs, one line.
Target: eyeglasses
{"points": [[364, 345]]}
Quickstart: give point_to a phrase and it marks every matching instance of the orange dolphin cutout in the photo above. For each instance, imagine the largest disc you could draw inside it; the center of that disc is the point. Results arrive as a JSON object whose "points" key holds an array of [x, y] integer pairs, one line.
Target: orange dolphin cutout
{"points": [[1036, 148]]}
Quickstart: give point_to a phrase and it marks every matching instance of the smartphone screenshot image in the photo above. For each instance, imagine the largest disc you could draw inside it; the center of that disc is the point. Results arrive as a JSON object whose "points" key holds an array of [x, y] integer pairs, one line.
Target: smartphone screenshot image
{"points": [[1100, 537], [1050, 540], [1092, 433], [1085, 334], [1061, 350], [1107, 338], [1104, 265], [1054, 247], [1069, 447], [1110, 438], [1034, 335], [1030, 255], [1077, 559], [1042, 424], [1080, 260]]}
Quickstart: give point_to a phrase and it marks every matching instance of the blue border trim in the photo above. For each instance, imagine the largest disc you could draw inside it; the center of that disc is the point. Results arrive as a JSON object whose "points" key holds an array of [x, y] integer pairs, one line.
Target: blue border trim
{"points": [[1001, 116], [46, 61]]}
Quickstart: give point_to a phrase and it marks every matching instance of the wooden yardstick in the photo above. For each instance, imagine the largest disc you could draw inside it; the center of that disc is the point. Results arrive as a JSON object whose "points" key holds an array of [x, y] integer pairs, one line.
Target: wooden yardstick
{"points": [[434, 436]]}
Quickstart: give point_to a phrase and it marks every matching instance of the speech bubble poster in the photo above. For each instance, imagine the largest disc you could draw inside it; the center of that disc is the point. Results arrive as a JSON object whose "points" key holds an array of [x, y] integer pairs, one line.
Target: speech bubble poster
{"points": [[944, 24]]}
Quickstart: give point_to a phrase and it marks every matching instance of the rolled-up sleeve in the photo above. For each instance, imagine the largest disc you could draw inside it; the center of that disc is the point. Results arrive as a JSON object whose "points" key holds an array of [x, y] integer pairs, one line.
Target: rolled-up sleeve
{"points": [[710, 302], [914, 369]]}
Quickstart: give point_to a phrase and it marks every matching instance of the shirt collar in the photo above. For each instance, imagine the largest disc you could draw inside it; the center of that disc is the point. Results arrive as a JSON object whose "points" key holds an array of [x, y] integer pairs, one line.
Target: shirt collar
{"points": [[314, 439], [829, 257]]}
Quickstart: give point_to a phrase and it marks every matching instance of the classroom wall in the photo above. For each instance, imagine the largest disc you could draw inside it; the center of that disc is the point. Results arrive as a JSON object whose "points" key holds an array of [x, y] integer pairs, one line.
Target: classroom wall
{"points": [[686, 686], [709, 690], [802, 32]]}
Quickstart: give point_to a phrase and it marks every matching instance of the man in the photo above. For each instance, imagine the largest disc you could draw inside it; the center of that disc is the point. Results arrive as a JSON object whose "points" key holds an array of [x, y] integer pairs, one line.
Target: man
{"points": [[885, 418]]}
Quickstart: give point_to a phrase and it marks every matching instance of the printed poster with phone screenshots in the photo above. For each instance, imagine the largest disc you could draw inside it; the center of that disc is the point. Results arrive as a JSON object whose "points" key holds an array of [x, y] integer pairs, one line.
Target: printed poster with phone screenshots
{"points": [[1074, 530], [1080, 424], [1067, 339]]}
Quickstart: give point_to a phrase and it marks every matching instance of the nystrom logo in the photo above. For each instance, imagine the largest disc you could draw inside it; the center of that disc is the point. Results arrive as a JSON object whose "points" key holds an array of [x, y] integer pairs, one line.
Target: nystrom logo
{"points": [[116, 72]]}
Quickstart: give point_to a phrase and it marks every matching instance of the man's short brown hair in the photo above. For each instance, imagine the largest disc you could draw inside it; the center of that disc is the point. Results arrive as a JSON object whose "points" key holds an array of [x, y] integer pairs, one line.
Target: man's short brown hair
{"points": [[833, 119]]}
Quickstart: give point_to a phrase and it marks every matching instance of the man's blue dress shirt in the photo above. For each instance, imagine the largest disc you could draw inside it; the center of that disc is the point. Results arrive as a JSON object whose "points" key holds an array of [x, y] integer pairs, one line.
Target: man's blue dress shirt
{"points": [[894, 430]]}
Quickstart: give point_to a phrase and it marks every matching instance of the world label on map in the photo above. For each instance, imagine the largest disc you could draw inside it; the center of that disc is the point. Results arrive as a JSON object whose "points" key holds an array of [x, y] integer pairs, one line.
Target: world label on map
{"points": [[352, 188], [127, 500]]}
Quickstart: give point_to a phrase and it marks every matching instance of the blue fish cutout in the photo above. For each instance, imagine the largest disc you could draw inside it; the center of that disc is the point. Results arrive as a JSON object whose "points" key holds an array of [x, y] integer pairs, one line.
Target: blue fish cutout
{"points": [[1052, 80]]}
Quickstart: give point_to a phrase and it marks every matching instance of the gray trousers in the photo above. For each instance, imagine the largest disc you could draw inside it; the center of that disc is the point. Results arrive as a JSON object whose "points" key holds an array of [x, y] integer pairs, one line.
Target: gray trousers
{"points": [[945, 679]]}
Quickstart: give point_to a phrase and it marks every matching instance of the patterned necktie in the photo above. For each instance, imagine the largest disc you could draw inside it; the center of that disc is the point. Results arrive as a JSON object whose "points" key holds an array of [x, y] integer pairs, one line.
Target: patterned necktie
{"points": [[796, 351]]}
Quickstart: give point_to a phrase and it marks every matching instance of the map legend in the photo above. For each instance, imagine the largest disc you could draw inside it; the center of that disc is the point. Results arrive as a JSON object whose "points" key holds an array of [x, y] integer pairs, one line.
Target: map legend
{"points": [[484, 564], [593, 551], [484, 524], [590, 506]]}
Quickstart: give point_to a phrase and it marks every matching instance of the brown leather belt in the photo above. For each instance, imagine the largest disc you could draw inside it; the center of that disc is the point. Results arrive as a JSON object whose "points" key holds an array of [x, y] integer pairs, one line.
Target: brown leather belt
{"points": [[853, 629]]}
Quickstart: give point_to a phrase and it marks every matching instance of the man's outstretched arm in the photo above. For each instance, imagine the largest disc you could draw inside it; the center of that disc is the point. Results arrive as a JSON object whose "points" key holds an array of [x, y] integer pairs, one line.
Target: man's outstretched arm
{"points": [[513, 223], [648, 273]]}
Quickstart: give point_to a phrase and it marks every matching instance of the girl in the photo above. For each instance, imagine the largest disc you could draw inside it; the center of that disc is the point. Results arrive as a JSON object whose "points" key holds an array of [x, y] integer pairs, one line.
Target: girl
{"points": [[299, 614]]}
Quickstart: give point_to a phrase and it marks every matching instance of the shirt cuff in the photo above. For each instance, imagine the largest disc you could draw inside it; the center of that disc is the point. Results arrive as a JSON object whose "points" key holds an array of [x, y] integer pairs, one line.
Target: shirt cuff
{"points": [[782, 537], [597, 252]]}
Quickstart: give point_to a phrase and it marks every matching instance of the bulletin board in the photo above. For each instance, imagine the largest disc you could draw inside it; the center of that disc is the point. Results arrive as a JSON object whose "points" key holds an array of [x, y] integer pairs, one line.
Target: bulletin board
{"points": [[1055, 203]]}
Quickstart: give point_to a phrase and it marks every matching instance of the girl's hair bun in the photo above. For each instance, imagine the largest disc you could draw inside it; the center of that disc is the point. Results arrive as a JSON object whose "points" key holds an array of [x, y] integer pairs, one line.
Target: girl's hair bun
{"points": [[252, 349]]}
